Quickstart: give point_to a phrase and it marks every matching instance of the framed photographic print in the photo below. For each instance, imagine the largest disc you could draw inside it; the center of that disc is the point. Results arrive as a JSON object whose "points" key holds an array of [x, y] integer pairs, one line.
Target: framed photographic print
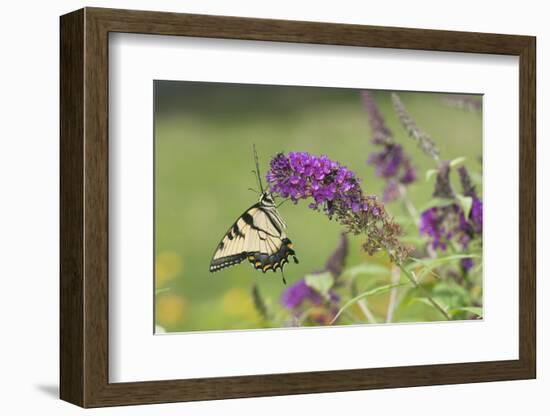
{"points": [[255, 207]]}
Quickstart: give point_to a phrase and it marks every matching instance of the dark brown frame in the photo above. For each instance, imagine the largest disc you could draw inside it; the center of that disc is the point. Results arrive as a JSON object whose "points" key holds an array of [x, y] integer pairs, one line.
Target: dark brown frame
{"points": [[84, 207]]}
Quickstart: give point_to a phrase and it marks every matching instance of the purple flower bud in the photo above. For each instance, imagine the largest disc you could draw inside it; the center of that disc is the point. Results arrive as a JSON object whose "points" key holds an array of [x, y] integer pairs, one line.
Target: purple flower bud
{"points": [[466, 264]]}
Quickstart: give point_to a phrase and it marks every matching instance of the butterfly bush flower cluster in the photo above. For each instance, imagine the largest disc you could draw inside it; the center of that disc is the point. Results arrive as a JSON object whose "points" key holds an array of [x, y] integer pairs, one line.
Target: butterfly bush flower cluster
{"points": [[444, 224], [391, 162], [301, 175], [335, 190], [300, 295]]}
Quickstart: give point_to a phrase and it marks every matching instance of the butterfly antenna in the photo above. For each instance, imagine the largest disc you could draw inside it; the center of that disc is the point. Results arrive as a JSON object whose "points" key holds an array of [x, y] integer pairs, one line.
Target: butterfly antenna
{"points": [[258, 168], [282, 202], [283, 274]]}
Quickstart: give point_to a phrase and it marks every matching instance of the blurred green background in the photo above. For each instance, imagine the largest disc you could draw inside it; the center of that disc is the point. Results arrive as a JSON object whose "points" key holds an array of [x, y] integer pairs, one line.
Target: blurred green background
{"points": [[203, 160]]}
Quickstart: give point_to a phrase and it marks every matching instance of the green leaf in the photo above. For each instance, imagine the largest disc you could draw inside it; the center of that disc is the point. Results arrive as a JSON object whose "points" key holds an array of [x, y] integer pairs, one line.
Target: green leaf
{"points": [[367, 269], [376, 291], [430, 173], [472, 309], [449, 288], [441, 260], [430, 264], [451, 293], [466, 204], [456, 161], [427, 302], [476, 178], [320, 282]]}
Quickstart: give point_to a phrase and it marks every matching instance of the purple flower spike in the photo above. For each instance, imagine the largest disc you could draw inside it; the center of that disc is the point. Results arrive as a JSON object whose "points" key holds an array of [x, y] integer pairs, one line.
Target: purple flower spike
{"points": [[335, 263], [437, 223], [426, 143], [443, 188], [476, 215], [391, 163], [335, 191], [296, 295], [299, 292], [447, 223], [388, 161], [466, 264], [409, 174], [464, 102], [380, 133]]}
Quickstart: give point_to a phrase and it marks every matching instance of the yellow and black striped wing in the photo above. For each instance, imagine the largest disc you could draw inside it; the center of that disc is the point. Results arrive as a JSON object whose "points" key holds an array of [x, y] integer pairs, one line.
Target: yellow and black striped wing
{"points": [[257, 236]]}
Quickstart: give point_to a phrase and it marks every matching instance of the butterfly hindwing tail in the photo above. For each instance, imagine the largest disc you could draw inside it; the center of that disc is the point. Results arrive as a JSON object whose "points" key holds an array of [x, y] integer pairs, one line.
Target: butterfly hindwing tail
{"points": [[265, 262]]}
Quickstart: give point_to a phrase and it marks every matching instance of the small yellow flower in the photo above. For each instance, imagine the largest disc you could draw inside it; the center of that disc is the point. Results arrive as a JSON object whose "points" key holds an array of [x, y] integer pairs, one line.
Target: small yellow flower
{"points": [[167, 266], [170, 310]]}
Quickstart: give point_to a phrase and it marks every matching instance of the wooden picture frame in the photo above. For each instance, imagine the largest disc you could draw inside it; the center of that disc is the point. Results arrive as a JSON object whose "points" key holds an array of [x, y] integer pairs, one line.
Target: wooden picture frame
{"points": [[84, 207]]}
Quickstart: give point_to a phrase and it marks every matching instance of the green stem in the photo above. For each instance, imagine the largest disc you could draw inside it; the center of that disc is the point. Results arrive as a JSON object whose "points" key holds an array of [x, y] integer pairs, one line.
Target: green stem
{"points": [[428, 297], [407, 203], [392, 301], [376, 291], [362, 303]]}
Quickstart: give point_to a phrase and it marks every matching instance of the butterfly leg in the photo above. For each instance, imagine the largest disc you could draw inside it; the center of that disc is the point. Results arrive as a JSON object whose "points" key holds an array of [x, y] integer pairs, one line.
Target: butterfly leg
{"points": [[282, 274]]}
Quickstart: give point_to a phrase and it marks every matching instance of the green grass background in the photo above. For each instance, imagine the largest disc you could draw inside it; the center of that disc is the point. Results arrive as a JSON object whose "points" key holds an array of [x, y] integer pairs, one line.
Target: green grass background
{"points": [[203, 160]]}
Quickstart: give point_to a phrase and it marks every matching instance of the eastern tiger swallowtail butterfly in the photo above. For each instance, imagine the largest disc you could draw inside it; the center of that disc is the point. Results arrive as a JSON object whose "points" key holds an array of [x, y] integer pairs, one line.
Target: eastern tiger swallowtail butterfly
{"points": [[257, 236]]}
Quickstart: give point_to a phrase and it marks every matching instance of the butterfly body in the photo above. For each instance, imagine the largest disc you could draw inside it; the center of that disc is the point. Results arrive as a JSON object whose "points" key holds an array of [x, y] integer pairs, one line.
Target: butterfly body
{"points": [[258, 236]]}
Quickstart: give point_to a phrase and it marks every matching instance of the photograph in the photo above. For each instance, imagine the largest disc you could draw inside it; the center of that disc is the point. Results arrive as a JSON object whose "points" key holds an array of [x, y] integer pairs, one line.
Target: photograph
{"points": [[280, 205], [295, 206]]}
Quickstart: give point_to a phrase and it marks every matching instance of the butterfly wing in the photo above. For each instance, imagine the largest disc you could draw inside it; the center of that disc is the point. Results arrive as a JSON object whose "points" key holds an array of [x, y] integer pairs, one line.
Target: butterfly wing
{"points": [[257, 236]]}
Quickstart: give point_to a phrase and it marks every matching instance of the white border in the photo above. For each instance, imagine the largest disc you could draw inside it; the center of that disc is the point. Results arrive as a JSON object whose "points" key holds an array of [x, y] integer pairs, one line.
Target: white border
{"points": [[135, 354]]}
